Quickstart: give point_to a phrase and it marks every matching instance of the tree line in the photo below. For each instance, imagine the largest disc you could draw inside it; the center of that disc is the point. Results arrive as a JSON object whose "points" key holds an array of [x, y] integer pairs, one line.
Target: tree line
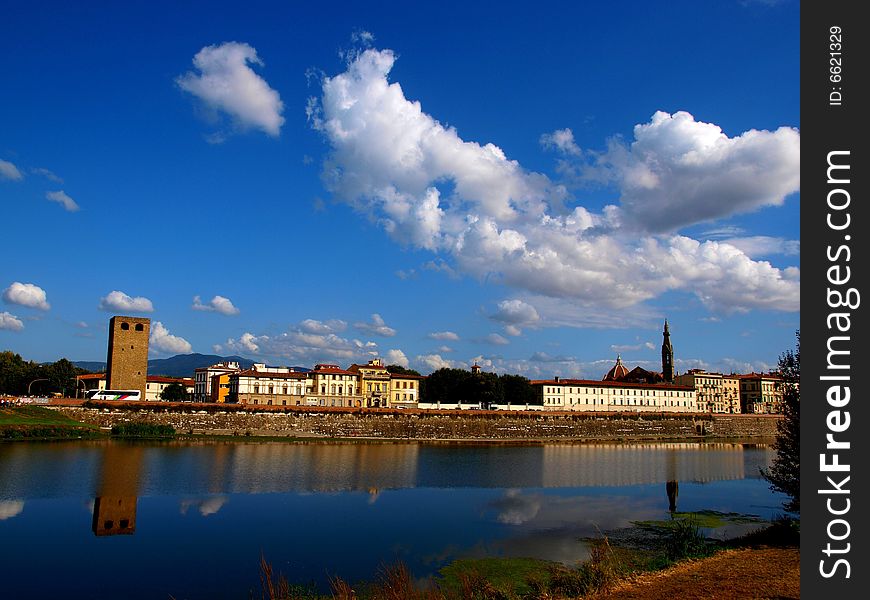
{"points": [[17, 374], [450, 386]]}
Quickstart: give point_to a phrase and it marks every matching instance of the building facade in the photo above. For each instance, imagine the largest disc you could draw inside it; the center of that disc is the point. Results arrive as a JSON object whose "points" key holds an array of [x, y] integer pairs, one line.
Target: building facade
{"points": [[715, 392], [761, 394], [203, 378], [374, 381], [154, 384], [589, 395], [404, 390], [127, 356]]}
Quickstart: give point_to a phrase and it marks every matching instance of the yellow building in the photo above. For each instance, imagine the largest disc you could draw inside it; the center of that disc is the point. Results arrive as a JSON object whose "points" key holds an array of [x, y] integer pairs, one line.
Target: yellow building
{"points": [[715, 392], [220, 387], [404, 390], [374, 382], [761, 394]]}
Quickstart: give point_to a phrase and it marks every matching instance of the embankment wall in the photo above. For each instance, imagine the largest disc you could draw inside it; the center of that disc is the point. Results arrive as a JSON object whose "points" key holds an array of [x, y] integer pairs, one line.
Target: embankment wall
{"points": [[443, 425]]}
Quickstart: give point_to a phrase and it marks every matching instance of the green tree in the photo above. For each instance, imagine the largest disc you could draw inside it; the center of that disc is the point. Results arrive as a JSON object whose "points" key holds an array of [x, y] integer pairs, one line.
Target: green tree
{"points": [[400, 370], [784, 475], [174, 392], [518, 390]]}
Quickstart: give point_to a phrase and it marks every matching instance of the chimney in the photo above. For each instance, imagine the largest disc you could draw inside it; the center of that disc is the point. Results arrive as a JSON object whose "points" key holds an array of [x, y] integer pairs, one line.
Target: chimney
{"points": [[556, 379]]}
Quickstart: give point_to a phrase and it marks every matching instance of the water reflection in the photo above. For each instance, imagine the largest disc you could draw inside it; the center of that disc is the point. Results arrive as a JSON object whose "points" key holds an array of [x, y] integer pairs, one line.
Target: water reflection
{"points": [[321, 509], [115, 503]]}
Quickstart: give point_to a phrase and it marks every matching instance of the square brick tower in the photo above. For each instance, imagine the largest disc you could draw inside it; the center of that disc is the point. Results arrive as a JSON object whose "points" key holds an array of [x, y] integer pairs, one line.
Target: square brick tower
{"points": [[127, 361]]}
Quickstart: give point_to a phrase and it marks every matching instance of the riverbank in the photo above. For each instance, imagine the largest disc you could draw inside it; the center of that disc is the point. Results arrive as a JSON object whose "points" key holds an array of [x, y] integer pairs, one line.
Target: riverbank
{"points": [[636, 563], [386, 424]]}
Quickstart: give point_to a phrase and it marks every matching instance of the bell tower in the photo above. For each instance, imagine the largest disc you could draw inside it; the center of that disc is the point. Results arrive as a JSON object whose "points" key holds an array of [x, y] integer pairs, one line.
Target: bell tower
{"points": [[667, 356]]}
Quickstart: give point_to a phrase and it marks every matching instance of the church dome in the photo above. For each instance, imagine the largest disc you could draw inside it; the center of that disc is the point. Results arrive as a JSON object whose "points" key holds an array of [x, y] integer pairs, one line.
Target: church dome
{"points": [[618, 371]]}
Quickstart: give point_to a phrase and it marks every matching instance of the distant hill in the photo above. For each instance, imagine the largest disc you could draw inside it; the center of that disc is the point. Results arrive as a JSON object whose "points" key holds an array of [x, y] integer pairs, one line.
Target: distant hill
{"points": [[180, 365]]}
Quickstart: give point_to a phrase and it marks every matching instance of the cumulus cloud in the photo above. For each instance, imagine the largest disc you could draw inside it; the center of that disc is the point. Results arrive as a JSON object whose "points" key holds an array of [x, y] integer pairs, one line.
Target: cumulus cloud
{"points": [[376, 327], [433, 362], [218, 304], [397, 357], [307, 342], [444, 336], [679, 171], [116, 301], [10, 322], [9, 171], [486, 216], [26, 294], [163, 341], [516, 312], [322, 327], [561, 140], [63, 199], [498, 340], [226, 83]]}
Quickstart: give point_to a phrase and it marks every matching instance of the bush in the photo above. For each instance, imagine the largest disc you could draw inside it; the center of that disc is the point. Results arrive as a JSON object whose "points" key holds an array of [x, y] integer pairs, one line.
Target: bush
{"points": [[686, 540]]}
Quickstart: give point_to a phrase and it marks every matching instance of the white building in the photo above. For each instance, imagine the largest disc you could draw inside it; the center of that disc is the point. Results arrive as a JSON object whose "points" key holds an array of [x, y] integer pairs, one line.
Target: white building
{"points": [[589, 395], [203, 379]]}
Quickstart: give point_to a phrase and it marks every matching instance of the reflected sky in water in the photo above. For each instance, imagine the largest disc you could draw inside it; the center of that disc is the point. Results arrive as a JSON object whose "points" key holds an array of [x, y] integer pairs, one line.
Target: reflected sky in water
{"points": [[192, 519]]}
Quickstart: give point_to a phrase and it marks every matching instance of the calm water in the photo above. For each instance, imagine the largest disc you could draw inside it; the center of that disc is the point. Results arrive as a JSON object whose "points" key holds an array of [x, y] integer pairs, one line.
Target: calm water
{"points": [[112, 520]]}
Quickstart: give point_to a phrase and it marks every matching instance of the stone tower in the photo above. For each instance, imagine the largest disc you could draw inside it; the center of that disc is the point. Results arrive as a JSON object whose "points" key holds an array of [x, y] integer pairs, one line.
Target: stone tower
{"points": [[667, 356], [127, 360]]}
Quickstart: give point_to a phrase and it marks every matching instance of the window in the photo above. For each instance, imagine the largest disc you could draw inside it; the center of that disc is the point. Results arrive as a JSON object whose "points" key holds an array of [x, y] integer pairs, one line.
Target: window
{"points": [[271, 391], [139, 327], [256, 388], [125, 326]]}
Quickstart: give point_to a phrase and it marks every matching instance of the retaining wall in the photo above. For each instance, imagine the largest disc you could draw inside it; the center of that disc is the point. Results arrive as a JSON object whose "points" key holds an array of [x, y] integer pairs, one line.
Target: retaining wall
{"points": [[443, 425]]}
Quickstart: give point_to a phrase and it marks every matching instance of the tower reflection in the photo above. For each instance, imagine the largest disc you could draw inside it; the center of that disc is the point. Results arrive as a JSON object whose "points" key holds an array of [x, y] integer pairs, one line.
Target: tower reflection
{"points": [[117, 494]]}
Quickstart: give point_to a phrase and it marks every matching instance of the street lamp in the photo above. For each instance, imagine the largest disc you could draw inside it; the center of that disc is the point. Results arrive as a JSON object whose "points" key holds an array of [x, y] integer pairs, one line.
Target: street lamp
{"points": [[32, 382]]}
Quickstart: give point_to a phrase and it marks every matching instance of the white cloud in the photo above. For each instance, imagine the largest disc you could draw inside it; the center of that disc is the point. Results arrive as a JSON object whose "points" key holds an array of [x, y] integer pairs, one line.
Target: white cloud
{"points": [[498, 340], [761, 245], [63, 199], [10, 508], [487, 217], [397, 357], [51, 176], [360, 36], [444, 349], [217, 304], [632, 347], [679, 171], [116, 301], [10, 322], [227, 83], [376, 327], [516, 312], [26, 294], [9, 171], [444, 336], [322, 327], [433, 362], [561, 140], [307, 342], [163, 341]]}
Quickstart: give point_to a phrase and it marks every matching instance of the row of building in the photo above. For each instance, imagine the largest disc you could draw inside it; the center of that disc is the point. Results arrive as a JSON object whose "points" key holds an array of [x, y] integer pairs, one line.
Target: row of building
{"points": [[372, 385]]}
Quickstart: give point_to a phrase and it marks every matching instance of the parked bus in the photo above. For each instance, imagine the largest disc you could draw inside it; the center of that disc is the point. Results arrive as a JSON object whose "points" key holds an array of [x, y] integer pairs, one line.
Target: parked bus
{"points": [[126, 395]]}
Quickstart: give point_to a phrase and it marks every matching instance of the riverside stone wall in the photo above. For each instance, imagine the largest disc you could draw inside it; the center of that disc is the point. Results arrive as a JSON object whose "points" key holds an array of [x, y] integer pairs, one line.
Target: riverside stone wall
{"points": [[444, 425]]}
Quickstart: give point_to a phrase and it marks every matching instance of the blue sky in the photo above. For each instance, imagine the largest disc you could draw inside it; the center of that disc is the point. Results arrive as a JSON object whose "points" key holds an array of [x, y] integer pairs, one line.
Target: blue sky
{"points": [[531, 189]]}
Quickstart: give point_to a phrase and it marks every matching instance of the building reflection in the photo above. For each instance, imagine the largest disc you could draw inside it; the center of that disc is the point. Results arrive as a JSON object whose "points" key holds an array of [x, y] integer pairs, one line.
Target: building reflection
{"points": [[117, 491]]}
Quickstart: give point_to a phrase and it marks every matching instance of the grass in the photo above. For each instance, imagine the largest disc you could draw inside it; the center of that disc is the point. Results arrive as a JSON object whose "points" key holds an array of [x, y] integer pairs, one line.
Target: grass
{"points": [[533, 579], [36, 422], [706, 519]]}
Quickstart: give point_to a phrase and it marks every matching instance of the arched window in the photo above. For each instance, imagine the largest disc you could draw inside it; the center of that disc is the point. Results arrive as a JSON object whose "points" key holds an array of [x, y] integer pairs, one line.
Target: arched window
{"points": [[140, 327], [125, 326]]}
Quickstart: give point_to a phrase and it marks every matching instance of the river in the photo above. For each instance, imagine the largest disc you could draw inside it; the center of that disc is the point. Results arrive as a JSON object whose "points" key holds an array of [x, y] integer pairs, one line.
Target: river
{"points": [[192, 519]]}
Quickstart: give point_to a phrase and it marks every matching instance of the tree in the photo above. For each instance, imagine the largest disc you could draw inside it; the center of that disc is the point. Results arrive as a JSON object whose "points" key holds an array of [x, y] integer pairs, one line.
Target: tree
{"points": [[784, 475], [400, 370], [174, 392], [517, 389]]}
